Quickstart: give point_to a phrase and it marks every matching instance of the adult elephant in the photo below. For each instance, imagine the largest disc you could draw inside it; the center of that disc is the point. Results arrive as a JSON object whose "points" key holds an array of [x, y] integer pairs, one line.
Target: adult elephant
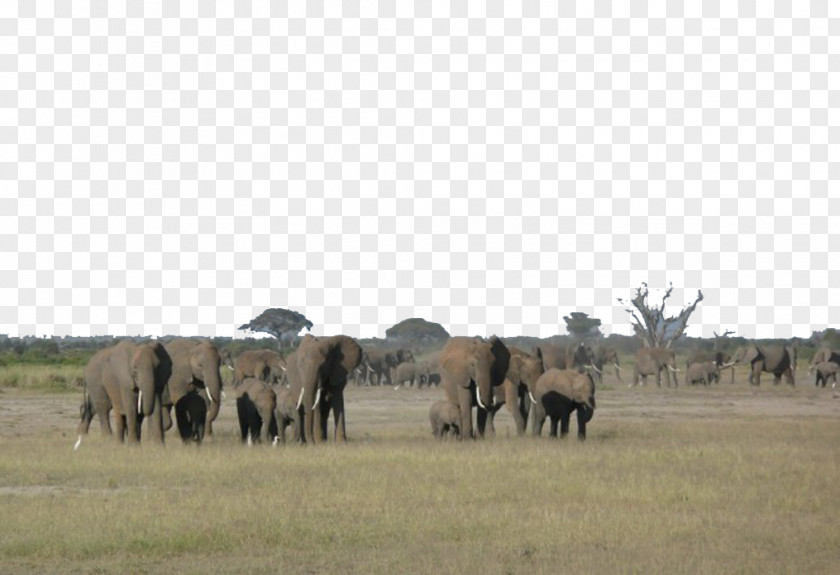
{"points": [[704, 372], [381, 362], [720, 358], [578, 356], [470, 369], [517, 391], [410, 372], [602, 356], [652, 361], [130, 379], [265, 364], [558, 393], [256, 403], [824, 354], [317, 373], [776, 359], [195, 368]]}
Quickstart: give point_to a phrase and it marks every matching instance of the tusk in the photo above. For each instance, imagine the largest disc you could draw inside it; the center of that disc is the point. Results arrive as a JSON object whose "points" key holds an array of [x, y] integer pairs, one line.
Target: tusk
{"points": [[396, 387], [250, 441], [726, 365], [317, 399], [531, 395], [478, 397], [595, 368], [674, 370], [140, 402], [300, 399], [209, 395], [77, 444], [229, 367], [276, 440], [223, 394], [618, 367]]}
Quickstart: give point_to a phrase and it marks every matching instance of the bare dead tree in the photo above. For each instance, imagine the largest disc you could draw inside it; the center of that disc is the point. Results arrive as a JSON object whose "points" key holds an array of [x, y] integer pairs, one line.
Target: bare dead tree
{"points": [[649, 322], [724, 335]]}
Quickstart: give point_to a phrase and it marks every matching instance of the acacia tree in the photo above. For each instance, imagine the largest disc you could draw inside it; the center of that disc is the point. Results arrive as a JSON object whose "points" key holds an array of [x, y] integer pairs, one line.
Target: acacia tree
{"points": [[649, 322], [279, 322], [580, 325]]}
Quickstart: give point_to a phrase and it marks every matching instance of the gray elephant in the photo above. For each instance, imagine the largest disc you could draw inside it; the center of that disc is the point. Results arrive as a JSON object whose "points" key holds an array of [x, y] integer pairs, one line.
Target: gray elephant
{"points": [[652, 361], [824, 354], [720, 358], [317, 372], [379, 363], [195, 367], [776, 359], [826, 371], [603, 356], [558, 393], [471, 368], [445, 417], [256, 403], [287, 414], [411, 373], [265, 364], [705, 373], [130, 379], [517, 391], [578, 356]]}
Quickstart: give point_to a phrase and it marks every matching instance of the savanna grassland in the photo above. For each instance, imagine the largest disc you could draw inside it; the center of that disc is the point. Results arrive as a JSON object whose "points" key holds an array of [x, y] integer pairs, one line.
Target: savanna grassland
{"points": [[726, 479]]}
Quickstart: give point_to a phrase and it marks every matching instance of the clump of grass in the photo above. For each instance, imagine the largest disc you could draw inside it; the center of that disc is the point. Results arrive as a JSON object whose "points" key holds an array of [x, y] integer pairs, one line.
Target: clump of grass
{"points": [[48, 378]]}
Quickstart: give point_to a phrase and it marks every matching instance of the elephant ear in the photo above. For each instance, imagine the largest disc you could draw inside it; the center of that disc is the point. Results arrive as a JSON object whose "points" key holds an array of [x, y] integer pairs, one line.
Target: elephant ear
{"points": [[538, 353], [345, 355], [501, 364]]}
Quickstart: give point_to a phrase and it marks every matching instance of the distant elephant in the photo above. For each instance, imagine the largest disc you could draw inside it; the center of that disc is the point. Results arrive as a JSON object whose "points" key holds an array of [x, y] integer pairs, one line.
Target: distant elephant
{"points": [[558, 393], [317, 372], [824, 354], [445, 417], [434, 379], [411, 373], [195, 366], [380, 362], [516, 392], [722, 359], [470, 368], [130, 379], [578, 356], [652, 361], [255, 405], [775, 359], [265, 364], [826, 371], [287, 413], [603, 355], [705, 373]]}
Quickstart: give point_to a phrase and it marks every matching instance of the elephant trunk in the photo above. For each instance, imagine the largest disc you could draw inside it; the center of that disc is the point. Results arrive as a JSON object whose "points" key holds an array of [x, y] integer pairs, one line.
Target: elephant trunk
{"points": [[213, 387], [146, 398]]}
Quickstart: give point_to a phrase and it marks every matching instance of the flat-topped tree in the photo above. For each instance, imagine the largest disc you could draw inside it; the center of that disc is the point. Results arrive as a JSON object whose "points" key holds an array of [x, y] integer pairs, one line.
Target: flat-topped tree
{"points": [[581, 326], [649, 322], [278, 322]]}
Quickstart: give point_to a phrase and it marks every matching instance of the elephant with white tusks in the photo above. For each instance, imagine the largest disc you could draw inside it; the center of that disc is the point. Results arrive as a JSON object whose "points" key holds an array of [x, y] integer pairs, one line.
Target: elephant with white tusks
{"points": [[470, 369], [653, 361], [130, 379], [776, 359], [559, 392], [195, 368], [317, 372], [517, 391]]}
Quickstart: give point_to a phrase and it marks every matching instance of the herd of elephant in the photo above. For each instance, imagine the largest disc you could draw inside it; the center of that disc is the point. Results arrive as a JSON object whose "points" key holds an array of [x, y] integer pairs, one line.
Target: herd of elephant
{"points": [[145, 381]]}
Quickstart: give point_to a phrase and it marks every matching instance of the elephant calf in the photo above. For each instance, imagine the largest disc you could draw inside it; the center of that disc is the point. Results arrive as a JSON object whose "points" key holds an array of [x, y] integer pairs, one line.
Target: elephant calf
{"points": [[826, 371], [445, 417], [287, 413], [705, 373], [255, 405], [558, 393]]}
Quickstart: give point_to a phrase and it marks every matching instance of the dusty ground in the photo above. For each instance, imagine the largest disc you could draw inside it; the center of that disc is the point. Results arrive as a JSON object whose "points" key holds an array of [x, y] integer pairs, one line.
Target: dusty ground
{"points": [[376, 413]]}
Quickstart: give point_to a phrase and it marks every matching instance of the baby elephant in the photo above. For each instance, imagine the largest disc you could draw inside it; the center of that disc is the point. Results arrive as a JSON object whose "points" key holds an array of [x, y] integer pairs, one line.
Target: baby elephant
{"points": [[255, 405], [558, 393], [445, 417], [287, 414], [826, 371], [705, 373]]}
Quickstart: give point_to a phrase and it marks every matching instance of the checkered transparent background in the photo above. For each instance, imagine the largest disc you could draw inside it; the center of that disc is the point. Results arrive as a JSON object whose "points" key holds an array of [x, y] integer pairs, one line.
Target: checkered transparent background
{"points": [[179, 167]]}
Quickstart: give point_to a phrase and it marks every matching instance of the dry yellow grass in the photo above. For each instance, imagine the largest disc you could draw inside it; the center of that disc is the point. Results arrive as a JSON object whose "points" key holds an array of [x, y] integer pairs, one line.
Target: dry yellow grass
{"points": [[720, 480]]}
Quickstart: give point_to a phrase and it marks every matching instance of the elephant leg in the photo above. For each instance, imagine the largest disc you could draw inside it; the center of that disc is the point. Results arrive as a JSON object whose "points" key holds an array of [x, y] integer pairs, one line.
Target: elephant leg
{"points": [[167, 417], [565, 417], [182, 418], [465, 404], [553, 429], [581, 421], [481, 421], [156, 421], [338, 415], [789, 376], [242, 414], [538, 420], [130, 413], [105, 420], [515, 410], [119, 422]]}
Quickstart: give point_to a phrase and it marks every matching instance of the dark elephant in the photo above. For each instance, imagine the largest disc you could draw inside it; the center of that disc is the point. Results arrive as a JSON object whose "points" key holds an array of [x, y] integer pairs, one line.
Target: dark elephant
{"points": [[578, 356], [705, 372], [445, 417], [602, 356], [517, 391], [193, 424], [317, 373], [776, 359], [652, 361], [824, 354], [287, 414], [130, 379], [559, 392], [720, 358], [470, 369], [256, 403], [826, 371], [195, 367], [265, 364]]}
